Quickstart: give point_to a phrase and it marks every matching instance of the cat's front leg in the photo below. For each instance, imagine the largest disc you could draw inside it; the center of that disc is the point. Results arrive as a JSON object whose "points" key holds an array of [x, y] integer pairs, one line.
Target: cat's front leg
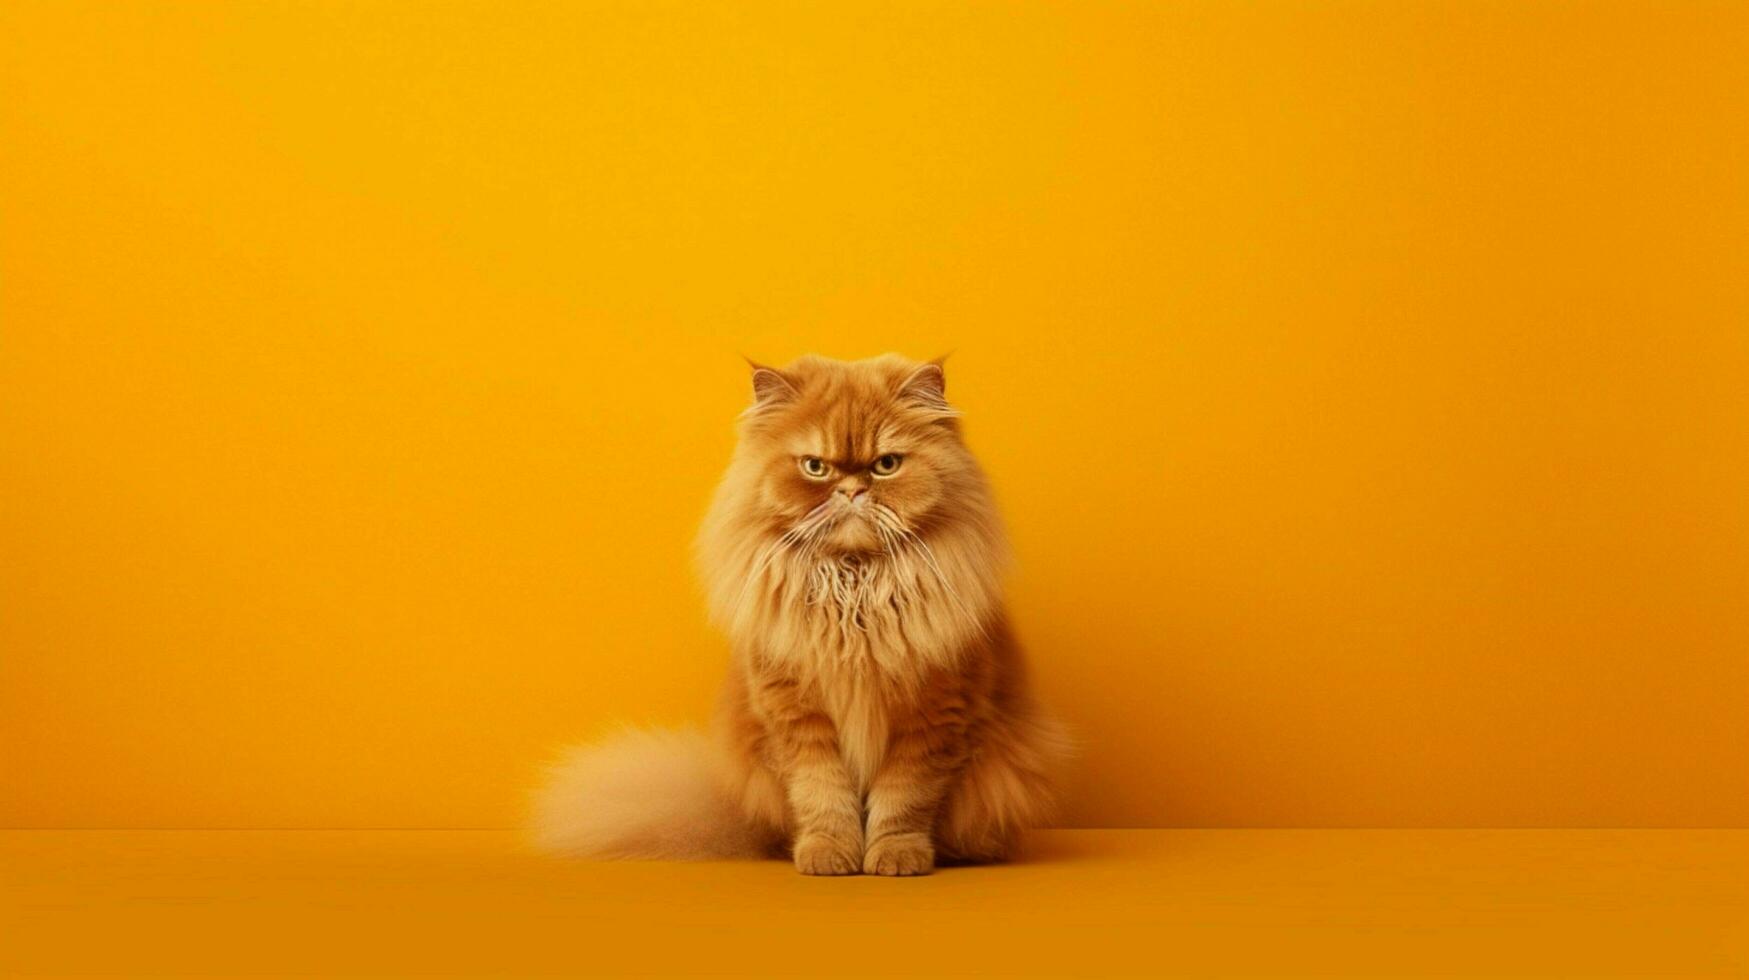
{"points": [[825, 810], [926, 748]]}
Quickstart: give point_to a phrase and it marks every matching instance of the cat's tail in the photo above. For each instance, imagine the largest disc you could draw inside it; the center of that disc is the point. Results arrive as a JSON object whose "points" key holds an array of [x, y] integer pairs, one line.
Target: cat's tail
{"points": [[643, 795]]}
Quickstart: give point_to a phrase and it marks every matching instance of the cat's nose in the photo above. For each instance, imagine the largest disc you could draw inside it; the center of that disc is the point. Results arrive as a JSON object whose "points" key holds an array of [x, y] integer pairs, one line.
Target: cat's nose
{"points": [[851, 491]]}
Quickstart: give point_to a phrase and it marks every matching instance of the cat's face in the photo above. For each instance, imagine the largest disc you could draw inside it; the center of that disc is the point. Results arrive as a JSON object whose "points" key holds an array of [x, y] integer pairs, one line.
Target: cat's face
{"points": [[851, 457]]}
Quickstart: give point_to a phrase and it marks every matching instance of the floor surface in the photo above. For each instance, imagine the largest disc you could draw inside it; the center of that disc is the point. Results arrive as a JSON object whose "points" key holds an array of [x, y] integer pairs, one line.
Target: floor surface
{"points": [[1088, 903]]}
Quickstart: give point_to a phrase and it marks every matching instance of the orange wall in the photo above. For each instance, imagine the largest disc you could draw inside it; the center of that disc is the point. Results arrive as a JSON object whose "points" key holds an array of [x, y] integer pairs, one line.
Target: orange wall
{"points": [[1367, 386]]}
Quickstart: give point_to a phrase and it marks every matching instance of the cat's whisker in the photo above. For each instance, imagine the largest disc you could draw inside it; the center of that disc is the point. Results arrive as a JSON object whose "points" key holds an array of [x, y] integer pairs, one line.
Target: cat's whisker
{"points": [[803, 530], [905, 580], [947, 586], [763, 560], [899, 535]]}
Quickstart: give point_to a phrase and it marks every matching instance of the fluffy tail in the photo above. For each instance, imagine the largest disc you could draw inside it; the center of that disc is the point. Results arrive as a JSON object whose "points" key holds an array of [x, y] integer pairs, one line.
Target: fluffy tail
{"points": [[643, 795]]}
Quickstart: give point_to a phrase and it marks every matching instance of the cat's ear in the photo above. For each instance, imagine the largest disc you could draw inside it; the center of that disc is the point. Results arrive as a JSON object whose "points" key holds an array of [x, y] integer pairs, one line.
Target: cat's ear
{"points": [[926, 384], [770, 385], [926, 387]]}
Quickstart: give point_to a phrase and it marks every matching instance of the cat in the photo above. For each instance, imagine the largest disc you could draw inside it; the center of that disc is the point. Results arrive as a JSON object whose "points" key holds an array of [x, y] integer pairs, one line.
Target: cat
{"points": [[876, 717]]}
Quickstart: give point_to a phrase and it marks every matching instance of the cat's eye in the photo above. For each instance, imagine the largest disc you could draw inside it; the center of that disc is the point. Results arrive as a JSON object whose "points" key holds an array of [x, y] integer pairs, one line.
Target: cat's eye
{"points": [[887, 465], [815, 468]]}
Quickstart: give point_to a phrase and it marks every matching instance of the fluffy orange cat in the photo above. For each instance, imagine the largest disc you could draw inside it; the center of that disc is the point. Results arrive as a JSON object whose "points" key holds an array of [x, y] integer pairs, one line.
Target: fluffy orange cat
{"points": [[876, 717]]}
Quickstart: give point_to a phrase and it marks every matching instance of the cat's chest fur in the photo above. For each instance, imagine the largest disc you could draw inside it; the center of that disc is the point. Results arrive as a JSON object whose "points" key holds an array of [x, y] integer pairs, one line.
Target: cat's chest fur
{"points": [[859, 654], [860, 633], [856, 703]]}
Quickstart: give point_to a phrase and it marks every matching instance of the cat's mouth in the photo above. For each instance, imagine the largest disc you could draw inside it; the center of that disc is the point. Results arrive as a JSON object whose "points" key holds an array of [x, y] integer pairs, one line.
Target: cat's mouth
{"points": [[853, 530]]}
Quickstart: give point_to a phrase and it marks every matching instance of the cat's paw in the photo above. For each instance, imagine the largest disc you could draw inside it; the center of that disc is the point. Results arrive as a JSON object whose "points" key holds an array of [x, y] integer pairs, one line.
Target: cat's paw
{"points": [[819, 854], [904, 854]]}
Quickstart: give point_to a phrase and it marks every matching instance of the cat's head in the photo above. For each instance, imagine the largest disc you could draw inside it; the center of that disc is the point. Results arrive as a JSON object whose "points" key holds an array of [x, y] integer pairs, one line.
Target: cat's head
{"points": [[852, 508], [854, 456]]}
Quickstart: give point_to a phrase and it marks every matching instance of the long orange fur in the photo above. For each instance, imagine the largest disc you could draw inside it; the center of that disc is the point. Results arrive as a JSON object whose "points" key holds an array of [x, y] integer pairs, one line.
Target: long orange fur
{"points": [[876, 717]]}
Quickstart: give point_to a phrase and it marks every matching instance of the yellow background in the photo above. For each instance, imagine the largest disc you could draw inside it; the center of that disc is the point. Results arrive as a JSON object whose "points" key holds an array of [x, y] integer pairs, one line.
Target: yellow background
{"points": [[1366, 385]]}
